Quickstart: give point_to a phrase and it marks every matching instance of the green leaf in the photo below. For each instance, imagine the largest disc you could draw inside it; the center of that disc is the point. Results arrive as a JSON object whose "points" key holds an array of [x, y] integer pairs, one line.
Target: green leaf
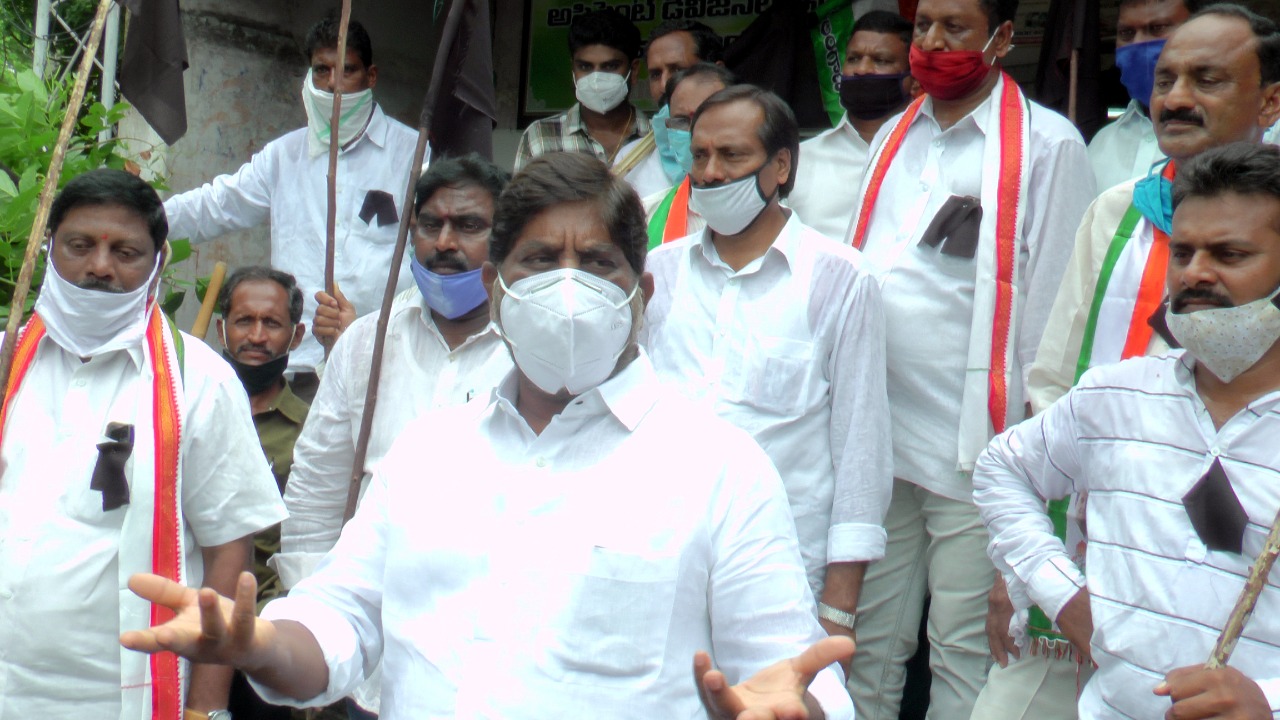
{"points": [[172, 301], [7, 187], [179, 250]]}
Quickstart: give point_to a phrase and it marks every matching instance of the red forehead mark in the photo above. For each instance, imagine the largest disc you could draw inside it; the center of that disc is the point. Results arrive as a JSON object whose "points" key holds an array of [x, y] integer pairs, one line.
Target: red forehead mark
{"points": [[103, 236]]}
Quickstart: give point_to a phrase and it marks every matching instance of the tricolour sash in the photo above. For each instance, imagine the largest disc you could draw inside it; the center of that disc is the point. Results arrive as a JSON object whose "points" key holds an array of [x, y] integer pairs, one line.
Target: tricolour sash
{"points": [[670, 219]]}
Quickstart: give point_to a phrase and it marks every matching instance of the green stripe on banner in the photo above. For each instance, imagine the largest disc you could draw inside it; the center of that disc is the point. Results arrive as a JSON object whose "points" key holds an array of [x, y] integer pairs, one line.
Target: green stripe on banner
{"points": [[658, 224], [1121, 238], [830, 38]]}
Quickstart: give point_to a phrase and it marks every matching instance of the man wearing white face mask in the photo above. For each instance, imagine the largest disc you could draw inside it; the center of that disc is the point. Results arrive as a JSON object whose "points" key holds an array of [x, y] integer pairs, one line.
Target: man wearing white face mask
{"points": [[441, 351], [126, 446], [779, 330], [1177, 453], [582, 533], [604, 49], [285, 183]]}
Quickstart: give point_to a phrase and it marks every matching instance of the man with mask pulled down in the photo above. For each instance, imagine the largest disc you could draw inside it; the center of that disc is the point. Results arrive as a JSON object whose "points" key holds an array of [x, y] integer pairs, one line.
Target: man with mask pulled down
{"points": [[875, 86], [441, 351], [966, 213], [647, 529], [285, 183], [604, 55], [779, 330], [125, 446], [1177, 455]]}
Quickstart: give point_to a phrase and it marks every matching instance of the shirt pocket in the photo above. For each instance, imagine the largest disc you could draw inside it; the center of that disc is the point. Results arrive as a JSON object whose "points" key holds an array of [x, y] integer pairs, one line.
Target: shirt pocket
{"points": [[618, 618], [776, 374]]}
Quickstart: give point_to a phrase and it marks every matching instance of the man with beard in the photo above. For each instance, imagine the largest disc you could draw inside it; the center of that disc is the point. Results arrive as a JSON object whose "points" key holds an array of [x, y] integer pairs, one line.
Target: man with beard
{"points": [[441, 351], [126, 447]]}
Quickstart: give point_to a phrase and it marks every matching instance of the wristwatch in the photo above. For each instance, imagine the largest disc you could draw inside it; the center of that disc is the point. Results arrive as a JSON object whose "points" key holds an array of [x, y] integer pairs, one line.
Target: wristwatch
{"points": [[189, 714], [846, 620]]}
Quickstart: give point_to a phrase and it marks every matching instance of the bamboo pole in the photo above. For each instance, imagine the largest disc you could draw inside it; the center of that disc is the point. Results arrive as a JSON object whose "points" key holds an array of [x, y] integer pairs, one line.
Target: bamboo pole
{"points": [[450, 32], [36, 238], [331, 219], [201, 325], [1253, 586]]}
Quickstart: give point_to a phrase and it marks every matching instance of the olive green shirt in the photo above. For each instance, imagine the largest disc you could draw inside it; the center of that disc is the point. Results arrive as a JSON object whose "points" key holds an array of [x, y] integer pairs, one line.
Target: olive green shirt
{"points": [[278, 428]]}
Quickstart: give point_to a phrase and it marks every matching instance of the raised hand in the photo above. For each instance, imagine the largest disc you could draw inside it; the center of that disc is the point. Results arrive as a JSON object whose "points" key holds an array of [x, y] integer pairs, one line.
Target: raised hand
{"points": [[334, 313], [207, 628], [778, 692]]}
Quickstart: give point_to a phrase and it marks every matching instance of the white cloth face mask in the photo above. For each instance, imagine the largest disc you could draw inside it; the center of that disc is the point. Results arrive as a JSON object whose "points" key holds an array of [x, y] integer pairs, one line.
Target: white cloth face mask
{"points": [[729, 208], [567, 328], [357, 107], [91, 322], [1228, 341], [601, 91]]}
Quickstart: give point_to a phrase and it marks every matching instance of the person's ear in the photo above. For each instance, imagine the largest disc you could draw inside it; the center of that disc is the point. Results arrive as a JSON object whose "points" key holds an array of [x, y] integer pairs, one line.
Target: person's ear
{"points": [[371, 77], [1003, 41], [635, 69], [646, 287], [1270, 111], [783, 162], [299, 332]]}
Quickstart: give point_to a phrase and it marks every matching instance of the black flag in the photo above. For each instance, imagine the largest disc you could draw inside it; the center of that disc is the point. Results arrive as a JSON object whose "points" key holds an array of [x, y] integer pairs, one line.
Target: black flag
{"points": [[466, 108], [155, 54]]}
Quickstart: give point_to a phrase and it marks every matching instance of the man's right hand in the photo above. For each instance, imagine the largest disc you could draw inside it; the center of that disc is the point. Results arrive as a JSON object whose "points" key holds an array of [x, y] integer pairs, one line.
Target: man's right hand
{"points": [[999, 613], [207, 627], [334, 314], [1076, 622]]}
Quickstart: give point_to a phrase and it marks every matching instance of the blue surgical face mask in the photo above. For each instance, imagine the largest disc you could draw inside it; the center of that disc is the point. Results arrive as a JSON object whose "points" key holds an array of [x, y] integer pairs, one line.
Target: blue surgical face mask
{"points": [[452, 296], [1153, 196], [673, 147], [1137, 63]]}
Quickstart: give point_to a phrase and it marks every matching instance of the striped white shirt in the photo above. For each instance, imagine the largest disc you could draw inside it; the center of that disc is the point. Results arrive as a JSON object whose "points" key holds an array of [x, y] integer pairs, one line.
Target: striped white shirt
{"points": [[1137, 438]]}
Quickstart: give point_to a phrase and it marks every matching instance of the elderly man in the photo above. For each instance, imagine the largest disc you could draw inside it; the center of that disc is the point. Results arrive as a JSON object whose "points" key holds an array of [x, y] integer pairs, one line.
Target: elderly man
{"points": [[1177, 455], [441, 351], [779, 330], [126, 447], [510, 559], [285, 184], [875, 86], [966, 212]]}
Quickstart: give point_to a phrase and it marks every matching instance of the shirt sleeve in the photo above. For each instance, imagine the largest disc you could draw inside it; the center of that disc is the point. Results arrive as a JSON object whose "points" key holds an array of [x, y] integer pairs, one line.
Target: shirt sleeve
{"points": [[316, 494], [762, 610], [230, 202], [1023, 468], [861, 446], [524, 151]]}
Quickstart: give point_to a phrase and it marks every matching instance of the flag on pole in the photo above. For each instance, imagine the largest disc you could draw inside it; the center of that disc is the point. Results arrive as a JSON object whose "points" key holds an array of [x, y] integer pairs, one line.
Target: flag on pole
{"points": [[466, 109], [155, 55], [777, 52], [1073, 25]]}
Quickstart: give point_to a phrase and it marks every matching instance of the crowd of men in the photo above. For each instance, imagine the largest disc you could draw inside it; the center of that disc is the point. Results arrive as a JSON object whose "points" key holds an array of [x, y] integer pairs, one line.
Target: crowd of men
{"points": [[686, 417]]}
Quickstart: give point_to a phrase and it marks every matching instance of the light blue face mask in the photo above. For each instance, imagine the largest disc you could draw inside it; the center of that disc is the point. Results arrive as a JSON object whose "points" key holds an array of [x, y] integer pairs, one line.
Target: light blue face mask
{"points": [[452, 296], [1153, 196], [673, 147]]}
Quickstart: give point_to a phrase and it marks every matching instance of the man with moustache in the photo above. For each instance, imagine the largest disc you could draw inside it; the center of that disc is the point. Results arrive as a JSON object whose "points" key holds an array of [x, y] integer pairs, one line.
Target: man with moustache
{"points": [[1177, 456], [441, 351], [966, 212], [778, 329], [567, 544], [875, 86]]}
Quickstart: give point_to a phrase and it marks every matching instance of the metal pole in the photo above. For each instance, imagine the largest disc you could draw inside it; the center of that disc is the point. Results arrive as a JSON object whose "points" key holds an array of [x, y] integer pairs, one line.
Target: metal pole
{"points": [[110, 59], [43, 10]]}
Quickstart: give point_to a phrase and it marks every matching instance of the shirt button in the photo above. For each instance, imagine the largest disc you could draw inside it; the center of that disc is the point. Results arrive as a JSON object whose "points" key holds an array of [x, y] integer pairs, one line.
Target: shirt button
{"points": [[80, 382], [453, 359], [1214, 451], [924, 187], [541, 462]]}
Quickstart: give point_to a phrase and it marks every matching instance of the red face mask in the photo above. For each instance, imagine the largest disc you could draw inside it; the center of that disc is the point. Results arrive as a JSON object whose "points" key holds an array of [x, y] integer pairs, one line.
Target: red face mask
{"points": [[949, 74]]}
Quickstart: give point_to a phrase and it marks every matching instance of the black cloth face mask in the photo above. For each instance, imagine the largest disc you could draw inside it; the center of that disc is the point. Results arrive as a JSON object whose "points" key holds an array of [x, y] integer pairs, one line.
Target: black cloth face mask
{"points": [[870, 97], [257, 378]]}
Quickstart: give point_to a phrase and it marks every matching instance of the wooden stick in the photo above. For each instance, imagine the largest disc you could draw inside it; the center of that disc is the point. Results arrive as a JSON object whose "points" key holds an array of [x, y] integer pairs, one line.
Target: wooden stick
{"points": [[331, 221], [1073, 88], [1248, 599], [201, 325], [36, 238], [384, 314]]}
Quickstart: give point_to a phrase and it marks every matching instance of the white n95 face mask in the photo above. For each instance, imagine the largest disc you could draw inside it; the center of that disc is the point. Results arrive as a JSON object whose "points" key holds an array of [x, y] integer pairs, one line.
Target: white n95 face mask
{"points": [[567, 328], [1228, 340], [91, 322], [731, 207], [356, 109], [601, 91]]}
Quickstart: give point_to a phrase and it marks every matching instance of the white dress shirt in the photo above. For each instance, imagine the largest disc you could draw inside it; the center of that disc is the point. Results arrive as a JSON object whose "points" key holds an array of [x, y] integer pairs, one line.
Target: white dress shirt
{"points": [[828, 175], [791, 349], [503, 573], [647, 177], [283, 183], [925, 288], [1124, 149], [1136, 437], [59, 591]]}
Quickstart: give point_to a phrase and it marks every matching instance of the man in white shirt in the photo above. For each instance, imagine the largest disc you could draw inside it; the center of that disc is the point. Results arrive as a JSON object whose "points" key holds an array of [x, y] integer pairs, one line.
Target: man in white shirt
{"points": [[1177, 456], [1126, 148], [966, 213], [441, 351], [778, 329], [577, 536], [285, 183], [876, 86], [126, 447]]}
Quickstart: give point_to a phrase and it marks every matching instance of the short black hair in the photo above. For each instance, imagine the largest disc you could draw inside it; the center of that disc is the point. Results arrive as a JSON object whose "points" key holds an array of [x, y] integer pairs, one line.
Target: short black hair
{"points": [[1192, 6], [1244, 168], [562, 177], [112, 187], [606, 27], [707, 43], [702, 69], [324, 36], [884, 22], [1265, 33], [778, 131], [251, 273], [999, 11], [459, 173]]}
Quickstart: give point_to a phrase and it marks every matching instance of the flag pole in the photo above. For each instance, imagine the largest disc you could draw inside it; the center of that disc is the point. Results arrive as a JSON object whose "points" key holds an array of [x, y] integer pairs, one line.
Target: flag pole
{"points": [[331, 219], [447, 38], [34, 240]]}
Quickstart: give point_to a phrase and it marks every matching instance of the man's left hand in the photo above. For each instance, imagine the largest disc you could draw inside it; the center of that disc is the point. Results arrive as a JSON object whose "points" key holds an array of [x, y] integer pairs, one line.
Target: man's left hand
{"points": [[1223, 693], [778, 692], [334, 314]]}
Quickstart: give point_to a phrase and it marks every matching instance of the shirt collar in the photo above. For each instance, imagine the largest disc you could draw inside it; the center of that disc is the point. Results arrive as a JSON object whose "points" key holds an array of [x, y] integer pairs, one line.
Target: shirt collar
{"points": [[629, 395], [377, 130], [290, 405], [573, 123], [980, 115], [416, 305], [784, 246]]}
